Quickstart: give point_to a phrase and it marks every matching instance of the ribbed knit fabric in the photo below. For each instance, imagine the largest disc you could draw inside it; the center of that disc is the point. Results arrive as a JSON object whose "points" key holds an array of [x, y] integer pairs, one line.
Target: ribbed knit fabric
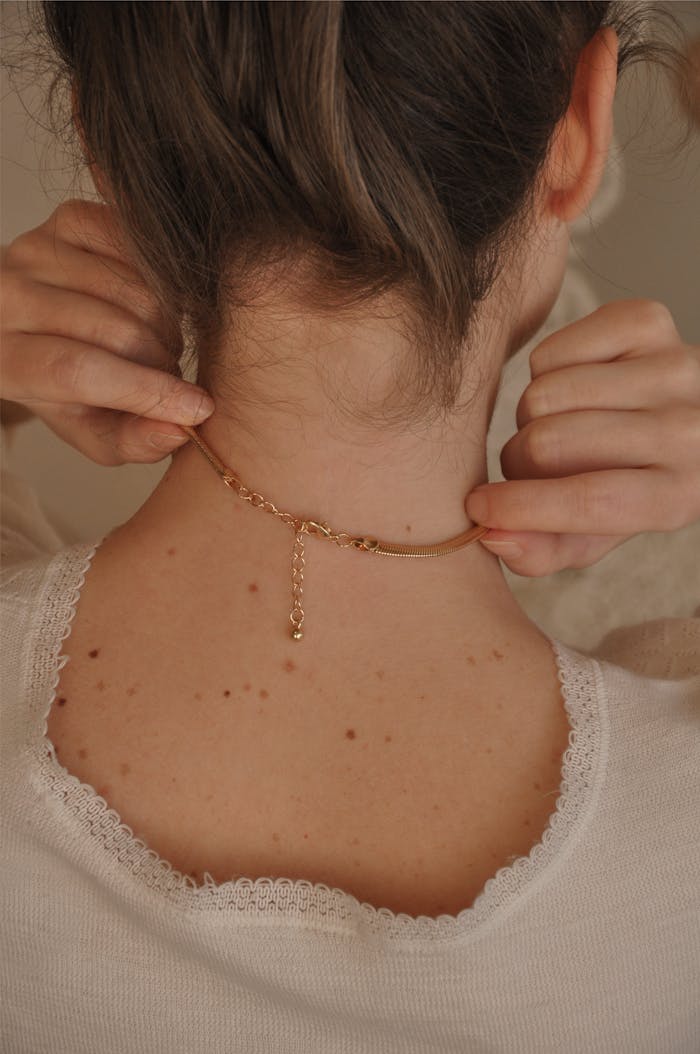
{"points": [[590, 944]]}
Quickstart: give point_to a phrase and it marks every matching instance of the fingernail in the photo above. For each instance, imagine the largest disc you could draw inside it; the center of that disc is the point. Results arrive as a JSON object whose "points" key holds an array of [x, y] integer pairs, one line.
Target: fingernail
{"points": [[197, 405], [508, 550], [166, 440]]}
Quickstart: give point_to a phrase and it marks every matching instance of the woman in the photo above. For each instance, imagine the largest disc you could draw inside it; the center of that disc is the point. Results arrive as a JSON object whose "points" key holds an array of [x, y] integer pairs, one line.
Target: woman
{"points": [[285, 794]]}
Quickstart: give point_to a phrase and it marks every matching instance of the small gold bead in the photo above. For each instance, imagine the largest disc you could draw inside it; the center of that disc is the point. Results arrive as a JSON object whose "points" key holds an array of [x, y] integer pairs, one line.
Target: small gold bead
{"points": [[297, 634]]}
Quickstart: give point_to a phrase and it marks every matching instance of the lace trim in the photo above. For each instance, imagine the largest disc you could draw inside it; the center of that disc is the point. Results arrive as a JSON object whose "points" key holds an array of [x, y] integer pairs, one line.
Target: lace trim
{"points": [[298, 899]]}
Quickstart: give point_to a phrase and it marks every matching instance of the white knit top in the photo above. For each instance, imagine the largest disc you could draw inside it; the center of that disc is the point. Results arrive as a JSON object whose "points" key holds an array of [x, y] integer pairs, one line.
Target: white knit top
{"points": [[590, 944]]}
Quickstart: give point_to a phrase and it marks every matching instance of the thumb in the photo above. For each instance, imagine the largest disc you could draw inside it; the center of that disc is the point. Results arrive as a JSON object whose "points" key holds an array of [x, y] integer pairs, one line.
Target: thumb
{"points": [[534, 553]]}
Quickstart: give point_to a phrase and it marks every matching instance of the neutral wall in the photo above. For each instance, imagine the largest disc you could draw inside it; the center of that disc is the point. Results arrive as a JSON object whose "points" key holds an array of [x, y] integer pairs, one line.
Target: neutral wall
{"points": [[641, 238]]}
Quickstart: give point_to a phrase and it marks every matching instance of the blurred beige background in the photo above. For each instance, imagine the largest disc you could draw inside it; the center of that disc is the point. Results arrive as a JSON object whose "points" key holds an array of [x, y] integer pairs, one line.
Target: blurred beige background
{"points": [[640, 239]]}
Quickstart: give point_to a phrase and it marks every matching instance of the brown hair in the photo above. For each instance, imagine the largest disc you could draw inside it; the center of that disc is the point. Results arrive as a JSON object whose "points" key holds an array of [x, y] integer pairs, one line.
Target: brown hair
{"points": [[390, 147]]}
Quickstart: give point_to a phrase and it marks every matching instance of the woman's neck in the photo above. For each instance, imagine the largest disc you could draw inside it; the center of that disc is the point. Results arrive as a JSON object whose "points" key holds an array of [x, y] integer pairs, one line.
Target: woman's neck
{"points": [[287, 439]]}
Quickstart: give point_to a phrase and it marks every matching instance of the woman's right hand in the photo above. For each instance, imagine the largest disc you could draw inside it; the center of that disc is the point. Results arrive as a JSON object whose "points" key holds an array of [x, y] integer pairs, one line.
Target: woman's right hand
{"points": [[84, 345]]}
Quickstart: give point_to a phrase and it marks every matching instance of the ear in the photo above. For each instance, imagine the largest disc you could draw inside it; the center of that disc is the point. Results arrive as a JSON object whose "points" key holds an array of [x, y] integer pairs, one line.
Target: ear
{"points": [[581, 141]]}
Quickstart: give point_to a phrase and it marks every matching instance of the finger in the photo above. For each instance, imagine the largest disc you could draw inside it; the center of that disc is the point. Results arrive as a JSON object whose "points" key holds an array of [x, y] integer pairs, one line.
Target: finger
{"points": [[642, 383], [90, 225], [536, 554], [619, 501], [590, 440], [57, 370], [621, 327], [52, 261], [46, 310], [110, 437]]}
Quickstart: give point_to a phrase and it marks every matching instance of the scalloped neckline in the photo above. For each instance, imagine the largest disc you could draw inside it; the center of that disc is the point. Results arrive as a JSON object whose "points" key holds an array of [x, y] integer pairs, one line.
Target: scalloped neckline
{"points": [[287, 899]]}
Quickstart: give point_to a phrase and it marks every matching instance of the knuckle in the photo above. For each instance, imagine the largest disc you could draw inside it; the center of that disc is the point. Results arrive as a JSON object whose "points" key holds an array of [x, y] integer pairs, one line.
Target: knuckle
{"points": [[540, 357], [685, 370], [542, 444], [688, 423], [12, 293], [534, 401], [677, 435], [64, 369], [68, 211], [677, 511], [21, 253], [654, 315]]}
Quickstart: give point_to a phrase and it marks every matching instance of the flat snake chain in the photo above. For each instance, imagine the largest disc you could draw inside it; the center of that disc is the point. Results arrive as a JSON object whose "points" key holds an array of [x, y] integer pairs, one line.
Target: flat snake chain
{"points": [[322, 530]]}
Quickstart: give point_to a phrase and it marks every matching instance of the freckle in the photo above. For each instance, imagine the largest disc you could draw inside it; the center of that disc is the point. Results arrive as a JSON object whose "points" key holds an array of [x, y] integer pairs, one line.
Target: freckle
{"points": [[436, 808], [246, 687], [124, 769], [227, 692], [537, 786], [197, 695], [350, 733], [260, 710], [496, 654], [252, 588], [355, 841], [489, 750], [387, 739], [306, 836], [421, 697], [62, 701], [290, 665], [404, 791], [263, 693], [380, 674], [526, 823], [170, 552], [356, 863], [132, 690], [209, 797], [94, 653], [275, 837], [173, 780], [82, 753], [100, 686], [408, 527], [471, 660]]}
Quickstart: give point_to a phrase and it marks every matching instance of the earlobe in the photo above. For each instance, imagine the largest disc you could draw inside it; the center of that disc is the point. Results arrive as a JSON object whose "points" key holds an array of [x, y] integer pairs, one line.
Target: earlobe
{"points": [[580, 145]]}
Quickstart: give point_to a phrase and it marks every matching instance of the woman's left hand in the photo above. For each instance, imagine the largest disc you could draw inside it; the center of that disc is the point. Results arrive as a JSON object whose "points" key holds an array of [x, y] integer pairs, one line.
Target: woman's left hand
{"points": [[608, 442]]}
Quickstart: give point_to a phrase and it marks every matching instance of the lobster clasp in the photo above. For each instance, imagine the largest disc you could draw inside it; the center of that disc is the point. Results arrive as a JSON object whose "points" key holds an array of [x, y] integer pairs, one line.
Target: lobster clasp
{"points": [[313, 527], [366, 544]]}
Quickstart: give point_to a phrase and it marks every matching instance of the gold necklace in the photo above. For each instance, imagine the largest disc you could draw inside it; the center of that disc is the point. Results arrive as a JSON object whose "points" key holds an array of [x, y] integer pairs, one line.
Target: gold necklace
{"points": [[322, 530]]}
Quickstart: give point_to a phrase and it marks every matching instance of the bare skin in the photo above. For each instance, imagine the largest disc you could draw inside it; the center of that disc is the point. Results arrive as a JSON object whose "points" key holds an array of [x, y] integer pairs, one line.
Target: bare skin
{"points": [[407, 784]]}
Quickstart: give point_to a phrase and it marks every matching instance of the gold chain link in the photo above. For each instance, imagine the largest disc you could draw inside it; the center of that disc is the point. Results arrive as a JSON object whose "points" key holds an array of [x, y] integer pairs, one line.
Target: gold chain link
{"points": [[321, 529]]}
